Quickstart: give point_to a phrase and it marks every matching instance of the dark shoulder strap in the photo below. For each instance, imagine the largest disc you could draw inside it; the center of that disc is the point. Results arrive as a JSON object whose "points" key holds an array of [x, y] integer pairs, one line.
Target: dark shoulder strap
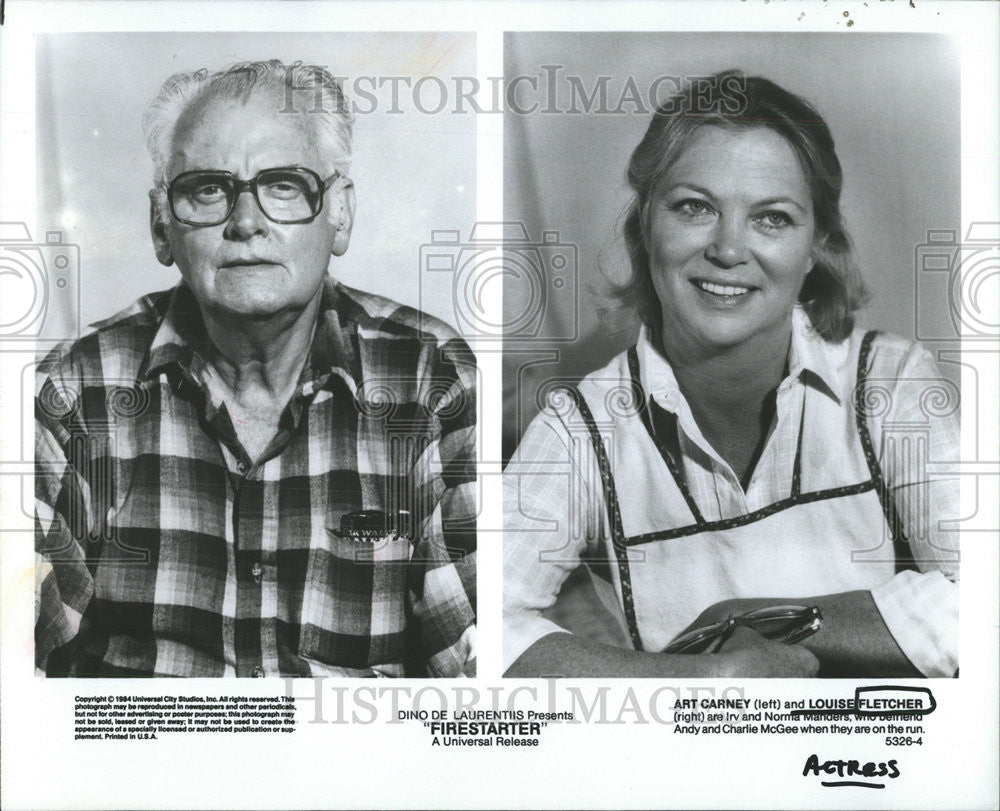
{"points": [[642, 402], [861, 415], [614, 514]]}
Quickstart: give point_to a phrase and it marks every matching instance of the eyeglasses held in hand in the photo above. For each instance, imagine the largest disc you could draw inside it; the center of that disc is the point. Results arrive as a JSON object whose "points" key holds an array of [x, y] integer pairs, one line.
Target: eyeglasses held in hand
{"points": [[781, 623], [286, 195]]}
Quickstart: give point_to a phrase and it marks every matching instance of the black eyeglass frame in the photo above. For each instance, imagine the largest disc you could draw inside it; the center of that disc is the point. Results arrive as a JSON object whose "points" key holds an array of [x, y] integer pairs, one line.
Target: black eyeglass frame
{"points": [[807, 620], [240, 186]]}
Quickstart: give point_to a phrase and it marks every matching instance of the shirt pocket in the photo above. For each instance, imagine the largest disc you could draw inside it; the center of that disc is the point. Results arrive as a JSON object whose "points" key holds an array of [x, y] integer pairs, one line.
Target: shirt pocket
{"points": [[354, 600]]}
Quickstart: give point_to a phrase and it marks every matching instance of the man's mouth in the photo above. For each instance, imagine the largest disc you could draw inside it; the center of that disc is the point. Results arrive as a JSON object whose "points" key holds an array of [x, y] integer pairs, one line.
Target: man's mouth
{"points": [[244, 263], [721, 290]]}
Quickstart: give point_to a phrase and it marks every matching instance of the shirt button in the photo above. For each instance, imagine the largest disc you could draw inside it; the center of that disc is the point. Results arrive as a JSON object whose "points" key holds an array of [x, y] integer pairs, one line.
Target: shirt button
{"points": [[242, 466], [257, 673], [257, 570]]}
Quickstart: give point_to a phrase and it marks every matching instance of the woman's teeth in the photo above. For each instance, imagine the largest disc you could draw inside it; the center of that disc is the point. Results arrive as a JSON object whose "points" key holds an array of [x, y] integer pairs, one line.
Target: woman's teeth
{"points": [[722, 289]]}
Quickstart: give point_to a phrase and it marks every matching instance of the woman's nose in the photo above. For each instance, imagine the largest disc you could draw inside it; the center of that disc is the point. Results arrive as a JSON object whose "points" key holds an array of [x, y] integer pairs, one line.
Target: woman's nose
{"points": [[728, 246], [246, 219]]}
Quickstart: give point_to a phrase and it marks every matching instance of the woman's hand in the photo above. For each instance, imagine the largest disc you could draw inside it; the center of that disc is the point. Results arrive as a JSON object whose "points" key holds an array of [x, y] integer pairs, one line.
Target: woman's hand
{"points": [[745, 654], [853, 642]]}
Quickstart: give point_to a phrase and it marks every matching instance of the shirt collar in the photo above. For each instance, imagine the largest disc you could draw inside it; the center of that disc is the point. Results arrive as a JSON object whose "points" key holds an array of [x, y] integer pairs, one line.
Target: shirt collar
{"points": [[812, 359], [809, 360], [180, 334], [335, 349], [181, 339], [656, 375]]}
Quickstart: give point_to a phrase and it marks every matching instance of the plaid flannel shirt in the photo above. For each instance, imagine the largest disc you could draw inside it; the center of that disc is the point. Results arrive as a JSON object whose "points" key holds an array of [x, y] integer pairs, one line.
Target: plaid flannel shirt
{"points": [[163, 549]]}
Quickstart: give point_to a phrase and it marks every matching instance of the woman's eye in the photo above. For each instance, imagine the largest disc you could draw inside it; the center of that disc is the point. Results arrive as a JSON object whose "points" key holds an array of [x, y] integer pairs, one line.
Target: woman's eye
{"points": [[691, 208], [774, 220]]}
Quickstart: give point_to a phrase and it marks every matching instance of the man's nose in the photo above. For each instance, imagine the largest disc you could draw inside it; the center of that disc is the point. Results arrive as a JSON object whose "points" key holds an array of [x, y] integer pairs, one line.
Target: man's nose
{"points": [[728, 246], [246, 219]]}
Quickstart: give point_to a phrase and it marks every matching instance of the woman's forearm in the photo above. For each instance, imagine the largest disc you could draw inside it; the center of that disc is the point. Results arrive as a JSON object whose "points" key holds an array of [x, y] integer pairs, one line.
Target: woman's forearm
{"points": [[853, 641], [565, 655], [747, 655]]}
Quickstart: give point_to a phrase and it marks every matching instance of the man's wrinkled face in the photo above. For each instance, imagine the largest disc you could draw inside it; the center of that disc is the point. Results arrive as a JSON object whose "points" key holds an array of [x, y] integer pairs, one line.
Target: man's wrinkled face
{"points": [[250, 266]]}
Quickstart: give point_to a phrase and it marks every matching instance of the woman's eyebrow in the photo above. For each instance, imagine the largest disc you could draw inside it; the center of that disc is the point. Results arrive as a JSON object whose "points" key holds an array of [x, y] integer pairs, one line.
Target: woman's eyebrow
{"points": [[691, 186], [770, 201]]}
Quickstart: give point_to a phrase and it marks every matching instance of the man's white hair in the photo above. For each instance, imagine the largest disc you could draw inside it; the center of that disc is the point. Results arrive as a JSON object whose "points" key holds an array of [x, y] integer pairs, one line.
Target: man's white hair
{"points": [[308, 90]]}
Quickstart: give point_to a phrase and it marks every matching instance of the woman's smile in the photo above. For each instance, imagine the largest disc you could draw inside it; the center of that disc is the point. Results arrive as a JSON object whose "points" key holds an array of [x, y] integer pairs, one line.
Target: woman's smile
{"points": [[725, 294], [730, 232]]}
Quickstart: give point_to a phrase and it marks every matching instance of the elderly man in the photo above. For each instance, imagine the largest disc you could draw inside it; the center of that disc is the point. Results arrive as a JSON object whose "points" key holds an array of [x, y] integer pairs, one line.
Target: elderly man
{"points": [[259, 472]]}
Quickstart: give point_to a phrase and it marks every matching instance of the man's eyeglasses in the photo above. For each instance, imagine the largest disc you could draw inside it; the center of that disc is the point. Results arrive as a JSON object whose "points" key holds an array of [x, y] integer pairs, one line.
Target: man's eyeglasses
{"points": [[286, 195], [781, 623]]}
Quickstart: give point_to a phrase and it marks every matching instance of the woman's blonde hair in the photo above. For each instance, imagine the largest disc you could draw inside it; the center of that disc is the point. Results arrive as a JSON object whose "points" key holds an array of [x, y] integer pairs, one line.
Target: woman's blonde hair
{"points": [[833, 289]]}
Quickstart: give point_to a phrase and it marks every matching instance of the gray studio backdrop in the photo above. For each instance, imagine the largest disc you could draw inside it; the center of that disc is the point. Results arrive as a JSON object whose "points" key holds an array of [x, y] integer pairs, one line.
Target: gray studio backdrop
{"points": [[891, 100], [414, 166]]}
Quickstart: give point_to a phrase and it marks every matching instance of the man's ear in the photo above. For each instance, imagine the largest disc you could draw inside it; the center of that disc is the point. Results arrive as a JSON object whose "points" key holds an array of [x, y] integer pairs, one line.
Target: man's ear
{"points": [[344, 219], [158, 230]]}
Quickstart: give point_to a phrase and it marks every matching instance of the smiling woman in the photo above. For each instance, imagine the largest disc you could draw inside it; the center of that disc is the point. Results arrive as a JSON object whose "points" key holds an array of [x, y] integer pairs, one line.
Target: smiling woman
{"points": [[730, 232], [729, 481]]}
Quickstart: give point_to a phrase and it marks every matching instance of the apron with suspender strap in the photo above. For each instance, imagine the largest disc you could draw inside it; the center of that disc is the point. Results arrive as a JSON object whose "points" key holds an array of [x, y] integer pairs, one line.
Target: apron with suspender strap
{"points": [[825, 537]]}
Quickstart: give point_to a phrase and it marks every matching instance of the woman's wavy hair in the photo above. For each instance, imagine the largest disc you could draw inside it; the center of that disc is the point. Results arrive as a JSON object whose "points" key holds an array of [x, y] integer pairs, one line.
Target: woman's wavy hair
{"points": [[833, 288]]}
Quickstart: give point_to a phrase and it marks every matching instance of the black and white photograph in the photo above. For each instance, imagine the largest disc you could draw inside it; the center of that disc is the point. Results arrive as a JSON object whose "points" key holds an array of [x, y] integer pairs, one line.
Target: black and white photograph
{"points": [[251, 462], [507, 404], [748, 483]]}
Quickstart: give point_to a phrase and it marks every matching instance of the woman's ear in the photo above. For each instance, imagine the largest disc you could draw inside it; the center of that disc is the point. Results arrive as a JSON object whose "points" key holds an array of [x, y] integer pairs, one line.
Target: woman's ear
{"points": [[817, 252], [158, 229], [344, 218]]}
